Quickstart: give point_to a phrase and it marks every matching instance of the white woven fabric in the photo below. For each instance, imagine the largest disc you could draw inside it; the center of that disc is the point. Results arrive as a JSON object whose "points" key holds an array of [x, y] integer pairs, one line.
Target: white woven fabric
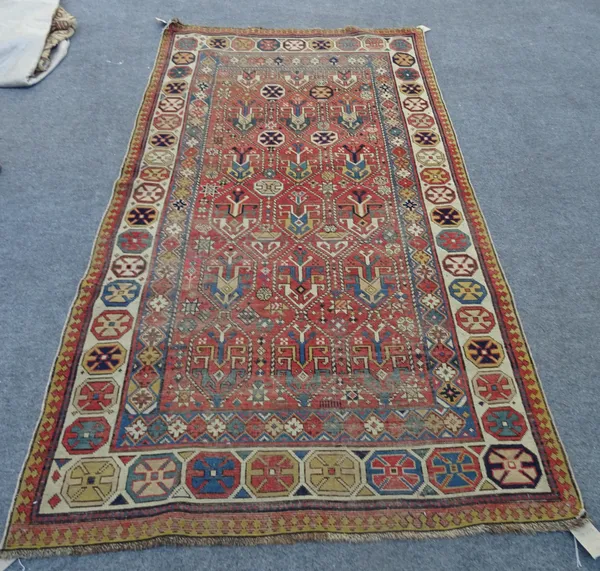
{"points": [[24, 27]]}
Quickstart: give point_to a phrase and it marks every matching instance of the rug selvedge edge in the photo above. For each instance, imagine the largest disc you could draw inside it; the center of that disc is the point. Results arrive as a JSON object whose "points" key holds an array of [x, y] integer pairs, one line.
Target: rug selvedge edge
{"points": [[507, 307], [83, 298]]}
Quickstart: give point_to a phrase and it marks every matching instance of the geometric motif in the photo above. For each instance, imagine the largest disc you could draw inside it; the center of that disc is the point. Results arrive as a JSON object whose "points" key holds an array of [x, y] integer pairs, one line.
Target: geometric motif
{"points": [[141, 216], [453, 240], [494, 387], [332, 473], [272, 474], [104, 358], [446, 216], [152, 478], [213, 476], [513, 466], [467, 291], [484, 351], [96, 395], [460, 265], [134, 241], [475, 319], [505, 423], [440, 195], [293, 321], [120, 293], [149, 193], [112, 324], [128, 266], [454, 469], [86, 435], [90, 482], [395, 471]]}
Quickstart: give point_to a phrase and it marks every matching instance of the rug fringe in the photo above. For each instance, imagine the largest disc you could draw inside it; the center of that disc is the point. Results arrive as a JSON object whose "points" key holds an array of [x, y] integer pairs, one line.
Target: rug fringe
{"points": [[178, 24], [231, 541]]}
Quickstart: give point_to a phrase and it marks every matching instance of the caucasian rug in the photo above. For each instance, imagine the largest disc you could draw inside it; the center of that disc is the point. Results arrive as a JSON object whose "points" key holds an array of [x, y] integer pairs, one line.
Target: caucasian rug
{"points": [[294, 325]]}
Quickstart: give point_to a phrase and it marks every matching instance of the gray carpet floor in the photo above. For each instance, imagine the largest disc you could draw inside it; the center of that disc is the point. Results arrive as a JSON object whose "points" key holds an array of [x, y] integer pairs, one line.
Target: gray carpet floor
{"points": [[522, 85]]}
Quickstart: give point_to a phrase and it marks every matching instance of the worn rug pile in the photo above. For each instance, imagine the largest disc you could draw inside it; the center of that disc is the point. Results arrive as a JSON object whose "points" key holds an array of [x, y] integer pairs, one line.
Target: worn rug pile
{"points": [[294, 325]]}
